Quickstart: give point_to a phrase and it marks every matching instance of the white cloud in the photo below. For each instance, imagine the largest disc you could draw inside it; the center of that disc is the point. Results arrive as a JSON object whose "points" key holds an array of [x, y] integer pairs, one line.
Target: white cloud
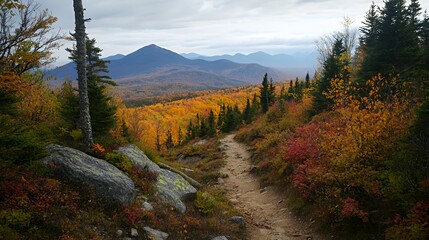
{"points": [[210, 26]]}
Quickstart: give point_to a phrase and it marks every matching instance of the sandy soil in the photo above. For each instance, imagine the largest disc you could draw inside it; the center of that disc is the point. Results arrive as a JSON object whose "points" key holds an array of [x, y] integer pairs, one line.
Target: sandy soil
{"points": [[265, 211]]}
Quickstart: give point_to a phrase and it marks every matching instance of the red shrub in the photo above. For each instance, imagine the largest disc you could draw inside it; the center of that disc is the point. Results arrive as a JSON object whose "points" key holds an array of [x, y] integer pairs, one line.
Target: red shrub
{"points": [[303, 144], [351, 209]]}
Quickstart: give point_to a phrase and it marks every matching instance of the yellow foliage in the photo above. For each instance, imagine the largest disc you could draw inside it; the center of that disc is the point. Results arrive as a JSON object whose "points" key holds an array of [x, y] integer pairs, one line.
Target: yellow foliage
{"points": [[144, 122]]}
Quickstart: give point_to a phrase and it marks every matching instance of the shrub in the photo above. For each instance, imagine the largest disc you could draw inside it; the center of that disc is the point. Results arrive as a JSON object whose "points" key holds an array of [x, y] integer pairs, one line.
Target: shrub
{"points": [[205, 202], [15, 218], [119, 160]]}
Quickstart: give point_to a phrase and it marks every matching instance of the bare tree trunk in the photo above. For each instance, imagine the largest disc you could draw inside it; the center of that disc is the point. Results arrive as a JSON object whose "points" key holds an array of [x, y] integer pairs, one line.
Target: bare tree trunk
{"points": [[85, 118]]}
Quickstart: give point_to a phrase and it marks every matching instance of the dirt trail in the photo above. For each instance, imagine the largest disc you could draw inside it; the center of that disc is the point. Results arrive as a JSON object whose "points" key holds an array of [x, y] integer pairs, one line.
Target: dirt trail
{"points": [[265, 211]]}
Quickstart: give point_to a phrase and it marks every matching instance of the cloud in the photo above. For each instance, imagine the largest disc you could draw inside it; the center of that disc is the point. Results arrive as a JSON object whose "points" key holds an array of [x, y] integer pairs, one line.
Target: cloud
{"points": [[210, 26]]}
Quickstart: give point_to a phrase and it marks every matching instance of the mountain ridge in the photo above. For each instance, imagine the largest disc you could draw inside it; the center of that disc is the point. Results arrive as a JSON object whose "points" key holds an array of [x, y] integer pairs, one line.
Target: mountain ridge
{"points": [[299, 63], [158, 71]]}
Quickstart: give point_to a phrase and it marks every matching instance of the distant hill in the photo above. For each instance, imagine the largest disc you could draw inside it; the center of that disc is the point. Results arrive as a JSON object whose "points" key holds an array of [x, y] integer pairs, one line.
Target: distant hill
{"points": [[114, 57], [297, 63], [153, 71]]}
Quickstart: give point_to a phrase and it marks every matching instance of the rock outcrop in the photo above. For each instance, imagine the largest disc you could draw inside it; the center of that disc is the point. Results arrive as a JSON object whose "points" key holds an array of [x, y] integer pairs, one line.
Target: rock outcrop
{"points": [[103, 178], [171, 187]]}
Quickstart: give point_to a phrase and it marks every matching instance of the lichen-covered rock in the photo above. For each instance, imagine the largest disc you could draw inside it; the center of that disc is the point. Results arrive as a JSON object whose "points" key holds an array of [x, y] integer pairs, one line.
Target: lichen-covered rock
{"points": [[173, 188], [170, 186], [102, 177], [139, 158]]}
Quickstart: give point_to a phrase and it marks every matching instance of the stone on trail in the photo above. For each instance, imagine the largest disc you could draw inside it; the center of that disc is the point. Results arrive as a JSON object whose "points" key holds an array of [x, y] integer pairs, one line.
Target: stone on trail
{"points": [[134, 232]]}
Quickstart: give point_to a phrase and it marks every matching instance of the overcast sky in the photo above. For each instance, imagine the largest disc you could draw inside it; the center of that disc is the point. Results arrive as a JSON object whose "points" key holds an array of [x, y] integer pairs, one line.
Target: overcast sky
{"points": [[209, 27]]}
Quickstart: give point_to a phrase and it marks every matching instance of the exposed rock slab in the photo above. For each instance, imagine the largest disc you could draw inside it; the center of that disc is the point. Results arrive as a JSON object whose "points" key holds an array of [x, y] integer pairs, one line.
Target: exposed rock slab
{"points": [[171, 187], [102, 177]]}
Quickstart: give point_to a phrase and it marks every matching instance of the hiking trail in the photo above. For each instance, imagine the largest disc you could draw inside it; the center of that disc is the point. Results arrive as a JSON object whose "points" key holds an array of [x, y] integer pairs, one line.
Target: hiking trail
{"points": [[264, 209]]}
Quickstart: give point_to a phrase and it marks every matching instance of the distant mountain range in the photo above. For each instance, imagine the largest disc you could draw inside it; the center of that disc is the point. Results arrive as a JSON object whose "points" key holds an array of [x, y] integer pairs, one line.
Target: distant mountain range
{"points": [[153, 71], [297, 63]]}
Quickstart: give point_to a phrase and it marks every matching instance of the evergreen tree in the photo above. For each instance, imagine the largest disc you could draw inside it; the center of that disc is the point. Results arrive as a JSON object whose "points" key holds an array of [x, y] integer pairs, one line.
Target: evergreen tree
{"points": [[211, 124], [333, 67], [231, 121], [169, 144], [424, 42], [255, 105], [221, 116], [271, 92], [190, 134], [247, 112], [307, 80], [266, 93], [282, 92], [390, 40], [203, 129], [101, 110], [69, 102]]}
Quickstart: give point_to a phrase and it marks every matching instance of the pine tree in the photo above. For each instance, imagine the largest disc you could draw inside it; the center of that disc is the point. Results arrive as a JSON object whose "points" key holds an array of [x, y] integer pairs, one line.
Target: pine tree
{"points": [[211, 124], [169, 144], [231, 120], [333, 67], [255, 104], [203, 129], [247, 112], [190, 134], [102, 112], [368, 45], [69, 102], [424, 42], [264, 98], [307, 80], [221, 115], [282, 92], [271, 92], [267, 93], [390, 40]]}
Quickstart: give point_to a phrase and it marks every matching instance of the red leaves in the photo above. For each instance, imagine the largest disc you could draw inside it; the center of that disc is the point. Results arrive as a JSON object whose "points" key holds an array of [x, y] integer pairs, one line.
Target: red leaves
{"points": [[351, 209], [413, 226], [133, 214], [303, 146], [25, 190]]}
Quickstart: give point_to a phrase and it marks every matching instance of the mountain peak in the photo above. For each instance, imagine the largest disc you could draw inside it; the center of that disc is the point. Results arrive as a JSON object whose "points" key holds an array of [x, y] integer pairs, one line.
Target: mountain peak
{"points": [[151, 46]]}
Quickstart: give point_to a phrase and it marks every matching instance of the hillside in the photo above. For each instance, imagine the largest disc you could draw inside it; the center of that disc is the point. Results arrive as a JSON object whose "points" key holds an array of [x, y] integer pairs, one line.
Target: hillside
{"points": [[154, 71]]}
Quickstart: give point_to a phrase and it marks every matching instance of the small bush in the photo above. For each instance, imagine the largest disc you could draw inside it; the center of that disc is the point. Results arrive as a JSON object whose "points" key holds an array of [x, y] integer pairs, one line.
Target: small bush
{"points": [[119, 160], [17, 219], [205, 202]]}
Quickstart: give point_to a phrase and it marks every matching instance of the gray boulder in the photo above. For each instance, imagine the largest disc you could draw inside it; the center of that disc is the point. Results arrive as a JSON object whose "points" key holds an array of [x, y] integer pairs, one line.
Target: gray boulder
{"points": [[220, 238], [155, 234], [170, 186], [102, 177]]}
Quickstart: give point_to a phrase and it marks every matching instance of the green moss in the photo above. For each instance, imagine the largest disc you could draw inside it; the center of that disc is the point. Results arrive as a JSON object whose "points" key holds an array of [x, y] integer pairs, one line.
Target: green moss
{"points": [[119, 160], [17, 219]]}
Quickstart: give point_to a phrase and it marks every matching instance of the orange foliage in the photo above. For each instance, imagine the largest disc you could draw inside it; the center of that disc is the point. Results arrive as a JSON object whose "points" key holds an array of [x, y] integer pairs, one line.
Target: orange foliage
{"points": [[142, 122], [12, 83]]}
